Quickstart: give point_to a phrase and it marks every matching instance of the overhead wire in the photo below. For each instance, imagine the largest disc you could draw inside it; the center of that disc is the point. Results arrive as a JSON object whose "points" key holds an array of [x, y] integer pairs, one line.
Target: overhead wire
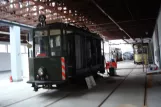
{"points": [[93, 1]]}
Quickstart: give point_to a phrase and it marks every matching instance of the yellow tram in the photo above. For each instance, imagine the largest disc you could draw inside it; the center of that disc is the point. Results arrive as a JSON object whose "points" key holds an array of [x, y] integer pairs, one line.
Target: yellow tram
{"points": [[140, 53]]}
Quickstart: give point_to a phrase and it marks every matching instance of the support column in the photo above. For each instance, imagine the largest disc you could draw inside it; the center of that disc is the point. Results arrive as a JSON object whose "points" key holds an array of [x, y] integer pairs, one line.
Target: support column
{"points": [[159, 35], [15, 44]]}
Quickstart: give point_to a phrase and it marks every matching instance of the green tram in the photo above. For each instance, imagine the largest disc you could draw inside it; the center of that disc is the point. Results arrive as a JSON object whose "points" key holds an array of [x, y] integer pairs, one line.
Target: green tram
{"points": [[61, 52], [140, 53]]}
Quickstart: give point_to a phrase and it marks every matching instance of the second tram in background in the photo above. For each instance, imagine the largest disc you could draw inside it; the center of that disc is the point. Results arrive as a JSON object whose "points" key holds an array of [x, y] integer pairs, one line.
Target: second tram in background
{"points": [[140, 53]]}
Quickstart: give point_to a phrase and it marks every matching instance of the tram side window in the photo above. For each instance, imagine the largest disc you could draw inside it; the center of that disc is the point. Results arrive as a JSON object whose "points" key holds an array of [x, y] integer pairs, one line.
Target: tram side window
{"points": [[98, 51], [140, 50], [55, 42], [88, 52], [144, 50], [79, 50]]}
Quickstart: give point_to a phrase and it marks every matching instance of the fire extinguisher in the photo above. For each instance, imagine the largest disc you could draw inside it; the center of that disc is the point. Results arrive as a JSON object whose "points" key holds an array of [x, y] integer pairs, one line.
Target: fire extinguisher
{"points": [[11, 79]]}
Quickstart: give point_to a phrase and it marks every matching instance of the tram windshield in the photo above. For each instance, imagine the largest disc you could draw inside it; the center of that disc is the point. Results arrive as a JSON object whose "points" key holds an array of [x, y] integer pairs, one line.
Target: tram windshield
{"points": [[41, 43], [140, 50], [47, 44]]}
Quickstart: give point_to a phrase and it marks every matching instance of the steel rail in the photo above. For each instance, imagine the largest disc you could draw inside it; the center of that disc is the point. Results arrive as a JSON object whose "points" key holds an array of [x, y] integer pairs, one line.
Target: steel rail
{"points": [[115, 88]]}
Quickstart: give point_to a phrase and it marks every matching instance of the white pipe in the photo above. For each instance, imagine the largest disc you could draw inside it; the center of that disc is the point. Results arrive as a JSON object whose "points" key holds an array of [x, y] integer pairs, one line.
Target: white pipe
{"points": [[15, 23], [7, 33]]}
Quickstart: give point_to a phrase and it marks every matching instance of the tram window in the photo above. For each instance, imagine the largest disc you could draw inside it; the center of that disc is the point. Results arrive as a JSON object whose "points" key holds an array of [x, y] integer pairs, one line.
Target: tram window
{"points": [[144, 50], [55, 42], [55, 32], [55, 45], [67, 32], [41, 46], [140, 50], [41, 33]]}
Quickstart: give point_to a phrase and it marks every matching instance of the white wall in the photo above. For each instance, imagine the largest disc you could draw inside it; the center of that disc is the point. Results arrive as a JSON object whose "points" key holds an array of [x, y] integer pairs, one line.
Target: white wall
{"points": [[157, 41], [5, 62], [25, 65], [159, 27], [108, 56], [106, 51], [156, 49]]}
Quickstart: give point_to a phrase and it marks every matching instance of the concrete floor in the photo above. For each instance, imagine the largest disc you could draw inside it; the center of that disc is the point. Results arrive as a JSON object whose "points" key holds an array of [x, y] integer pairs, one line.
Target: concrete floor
{"points": [[154, 93], [130, 83]]}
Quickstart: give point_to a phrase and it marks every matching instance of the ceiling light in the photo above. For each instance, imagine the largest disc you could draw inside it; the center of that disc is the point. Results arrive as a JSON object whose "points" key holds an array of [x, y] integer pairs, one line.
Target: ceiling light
{"points": [[20, 5], [146, 33], [59, 8], [11, 6], [27, 4], [41, 7], [5, 2], [53, 4], [65, 8], [34, 8], [55, 14], [35, 14]]}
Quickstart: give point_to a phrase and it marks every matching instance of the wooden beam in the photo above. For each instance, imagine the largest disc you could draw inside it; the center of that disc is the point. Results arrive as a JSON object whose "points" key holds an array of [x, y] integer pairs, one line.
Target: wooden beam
{"points": [[51, 9]]}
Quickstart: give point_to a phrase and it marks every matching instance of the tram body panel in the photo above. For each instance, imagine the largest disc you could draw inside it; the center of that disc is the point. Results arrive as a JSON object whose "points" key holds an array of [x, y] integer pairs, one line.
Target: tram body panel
{"points": [[52, 70], [138, 58], [140, 53]]}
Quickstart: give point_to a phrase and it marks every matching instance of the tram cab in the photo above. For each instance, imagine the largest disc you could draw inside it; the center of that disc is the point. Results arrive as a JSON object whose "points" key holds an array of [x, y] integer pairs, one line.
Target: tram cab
{"points": [[60, 52]]}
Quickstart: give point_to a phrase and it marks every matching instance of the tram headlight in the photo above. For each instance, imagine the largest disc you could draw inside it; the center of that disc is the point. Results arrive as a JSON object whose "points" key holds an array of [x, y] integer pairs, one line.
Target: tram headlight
{"points": [[37, 76], [40, 71]]}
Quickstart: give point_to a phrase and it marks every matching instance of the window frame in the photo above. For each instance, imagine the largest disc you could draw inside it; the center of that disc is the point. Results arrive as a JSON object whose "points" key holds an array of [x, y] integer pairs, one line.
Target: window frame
{"points": [[56, 35], [40, 29]]}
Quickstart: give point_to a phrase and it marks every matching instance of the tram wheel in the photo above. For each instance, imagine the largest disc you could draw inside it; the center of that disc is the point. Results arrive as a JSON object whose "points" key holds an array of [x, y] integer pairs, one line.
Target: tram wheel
{"points": [[35, 88]]}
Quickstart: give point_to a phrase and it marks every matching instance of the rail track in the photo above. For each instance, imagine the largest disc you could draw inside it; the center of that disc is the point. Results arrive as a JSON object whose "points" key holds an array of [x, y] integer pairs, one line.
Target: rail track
{"points": [[66, 95]]}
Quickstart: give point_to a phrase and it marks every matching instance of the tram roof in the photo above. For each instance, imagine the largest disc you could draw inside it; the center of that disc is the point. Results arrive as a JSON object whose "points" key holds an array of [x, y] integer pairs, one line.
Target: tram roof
{"points": [[68, 27]]}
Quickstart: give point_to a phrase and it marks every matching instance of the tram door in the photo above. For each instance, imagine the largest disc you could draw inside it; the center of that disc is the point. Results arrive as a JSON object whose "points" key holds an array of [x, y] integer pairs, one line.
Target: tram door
{"points": [[70, 54]]}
